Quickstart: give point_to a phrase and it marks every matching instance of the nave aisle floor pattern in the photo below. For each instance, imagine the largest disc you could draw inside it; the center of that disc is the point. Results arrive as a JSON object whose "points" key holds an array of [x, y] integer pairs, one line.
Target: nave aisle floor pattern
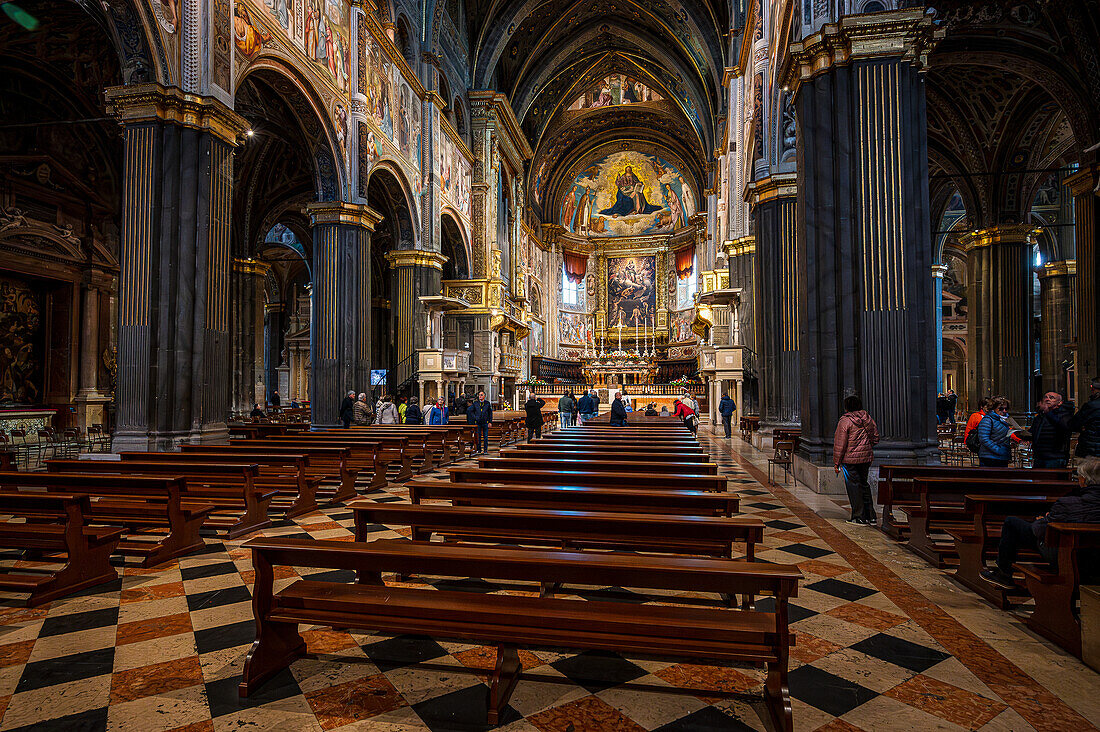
{"points": [[884, 643]]}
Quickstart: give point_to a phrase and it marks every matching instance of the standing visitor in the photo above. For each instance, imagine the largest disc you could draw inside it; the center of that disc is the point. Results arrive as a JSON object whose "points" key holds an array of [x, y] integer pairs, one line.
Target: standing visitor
{"points": [[994, 435], [412, 412], [460, 406], [401, 407], [1087, 422], [1050, 432], [437, 413], [481, 416], [361, 412], [952, 405], [687, 415], [566, 406], [726, 408], [275, 400], [943, 408], [586, 409], [853, 451], [347, 409], [972, 423], [533, 407], [618, 411], [387, 414]]}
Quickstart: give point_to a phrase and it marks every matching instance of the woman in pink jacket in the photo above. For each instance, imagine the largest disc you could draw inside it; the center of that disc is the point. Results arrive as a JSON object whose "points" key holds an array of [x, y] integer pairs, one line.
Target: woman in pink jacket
{"points": [[853, 451]]}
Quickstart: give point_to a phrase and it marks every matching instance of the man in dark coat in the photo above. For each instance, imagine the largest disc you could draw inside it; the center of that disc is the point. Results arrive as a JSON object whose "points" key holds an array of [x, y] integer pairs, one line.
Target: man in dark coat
{"points": [[347, 409], [1087, 422], [533, 407], [460, 406], [275, 400], [480, 414], [618, 411], [726, 408], [1050, 432]]}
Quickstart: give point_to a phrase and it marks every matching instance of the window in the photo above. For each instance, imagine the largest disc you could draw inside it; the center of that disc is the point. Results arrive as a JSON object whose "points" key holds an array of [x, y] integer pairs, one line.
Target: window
{"points": [[570, 291], [685, 288]]}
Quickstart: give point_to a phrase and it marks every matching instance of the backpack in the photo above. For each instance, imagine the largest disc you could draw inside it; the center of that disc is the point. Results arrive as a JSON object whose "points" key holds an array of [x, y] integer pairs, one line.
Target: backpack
{"points": [[973, 443]]}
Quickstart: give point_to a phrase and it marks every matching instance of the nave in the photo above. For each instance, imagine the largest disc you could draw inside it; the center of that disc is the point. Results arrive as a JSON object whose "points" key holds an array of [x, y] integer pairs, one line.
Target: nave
{"points": [[883, 641]]}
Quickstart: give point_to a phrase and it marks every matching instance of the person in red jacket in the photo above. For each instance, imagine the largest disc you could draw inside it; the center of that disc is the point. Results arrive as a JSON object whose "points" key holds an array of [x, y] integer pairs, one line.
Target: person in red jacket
{"points": [[853, 451], [687, 415]]}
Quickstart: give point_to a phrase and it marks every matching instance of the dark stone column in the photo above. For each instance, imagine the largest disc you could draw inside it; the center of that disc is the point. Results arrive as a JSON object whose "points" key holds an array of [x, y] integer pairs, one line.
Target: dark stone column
{"points": [[864, 257], [776, 317], [741, 254], [999, 342], [247, 286], [173, 335], [417, 273], [340, 315], [1085, 186], [274, 333], [1057, 282]]}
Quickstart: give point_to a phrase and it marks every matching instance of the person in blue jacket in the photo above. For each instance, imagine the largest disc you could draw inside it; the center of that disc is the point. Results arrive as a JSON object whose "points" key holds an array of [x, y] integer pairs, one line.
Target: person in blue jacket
{"points": [[726, 408], [437, 413], [995, 436]]}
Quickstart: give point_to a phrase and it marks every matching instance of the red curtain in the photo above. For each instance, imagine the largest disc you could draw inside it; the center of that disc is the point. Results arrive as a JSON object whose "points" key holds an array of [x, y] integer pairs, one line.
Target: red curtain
{"points": [[685, 261], [575, 265]]}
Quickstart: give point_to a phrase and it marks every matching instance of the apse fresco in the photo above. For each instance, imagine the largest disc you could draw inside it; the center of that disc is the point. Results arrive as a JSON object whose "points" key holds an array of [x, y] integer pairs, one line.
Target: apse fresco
{"points": [[316, 28], [392, 105], [627, 194], [455, 173], [614, 90], [631, 291]]}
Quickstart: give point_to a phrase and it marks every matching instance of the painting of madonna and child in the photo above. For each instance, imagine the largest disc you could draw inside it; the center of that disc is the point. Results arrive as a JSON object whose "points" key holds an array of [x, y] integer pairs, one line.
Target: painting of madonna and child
{"points": [[627, 194]]}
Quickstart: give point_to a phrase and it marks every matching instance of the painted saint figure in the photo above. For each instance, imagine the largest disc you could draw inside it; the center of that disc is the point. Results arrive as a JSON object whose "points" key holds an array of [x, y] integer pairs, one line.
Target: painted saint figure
{"points": [[629, 196]]}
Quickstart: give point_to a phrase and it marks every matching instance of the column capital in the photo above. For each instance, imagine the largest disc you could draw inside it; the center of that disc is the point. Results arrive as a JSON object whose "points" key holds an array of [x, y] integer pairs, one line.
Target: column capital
{"points": [[938, 271], [780, 185], [1060, 268], [251, 266], [738, 247], [908, 35], [415, 258], [138, 103], [338, 212], [997, 235]]}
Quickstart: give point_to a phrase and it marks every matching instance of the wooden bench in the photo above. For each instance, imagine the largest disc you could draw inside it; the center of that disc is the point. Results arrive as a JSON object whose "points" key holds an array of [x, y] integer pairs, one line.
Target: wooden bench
{"points": [[239, 506], [254, 430], [452, 441], [160, 525], [295, 490], [329, 464], [362, 458], [431, 448], [589, 456], [599, 446], [692, 503], [392, 452], [1057, 591], [591, 478], [538, 462], [511, 622], [941, 507], [895, 486], [87, 549]]}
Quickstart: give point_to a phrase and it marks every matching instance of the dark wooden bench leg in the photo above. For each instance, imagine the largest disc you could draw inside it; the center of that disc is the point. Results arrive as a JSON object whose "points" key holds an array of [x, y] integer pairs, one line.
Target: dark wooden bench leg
{"points": [[276, 644], [778, 697], [1053, 617], [503, 681]]}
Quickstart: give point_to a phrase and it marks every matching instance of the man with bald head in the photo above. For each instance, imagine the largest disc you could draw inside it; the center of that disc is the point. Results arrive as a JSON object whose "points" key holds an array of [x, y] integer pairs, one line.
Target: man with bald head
{"points": [[1050, 432]]}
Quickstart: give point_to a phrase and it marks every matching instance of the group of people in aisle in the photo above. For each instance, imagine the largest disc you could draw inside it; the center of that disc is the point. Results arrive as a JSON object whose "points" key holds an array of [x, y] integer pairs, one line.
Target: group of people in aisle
{"points": [[356, 409]]}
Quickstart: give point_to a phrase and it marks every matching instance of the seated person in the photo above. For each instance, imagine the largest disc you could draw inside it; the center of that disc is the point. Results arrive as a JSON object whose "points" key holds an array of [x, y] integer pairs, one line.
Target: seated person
{"points": [[651, 410], [1081, 506], [256, 412]]}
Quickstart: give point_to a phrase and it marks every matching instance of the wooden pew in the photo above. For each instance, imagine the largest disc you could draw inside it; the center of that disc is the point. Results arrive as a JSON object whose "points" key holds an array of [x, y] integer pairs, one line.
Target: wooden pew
{"points": [[597, 446], [512, 622], [691, 503], [671, 440], [393, 452], [296, 491], [895, 486], [87, 548], [1057, 591], [941, 507], [160, 525], [433, 448], [594, 479], [678, 534], [239, 506], [453, 440], [254, 430], [361, 457], [589, 456], [330, 464], [978, 541], [539, 462]]}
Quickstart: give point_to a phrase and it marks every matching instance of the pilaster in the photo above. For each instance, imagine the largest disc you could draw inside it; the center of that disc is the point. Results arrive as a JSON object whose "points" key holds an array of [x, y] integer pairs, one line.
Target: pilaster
{"points": [[416, 274], [1057, 299], [1085, 186], [741, 261], [249, 379]]}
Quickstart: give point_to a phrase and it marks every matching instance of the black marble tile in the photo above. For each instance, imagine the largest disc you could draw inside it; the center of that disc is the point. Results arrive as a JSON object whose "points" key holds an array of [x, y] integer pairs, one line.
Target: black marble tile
{"points": [[62, 624], [403, 650], [827, 692], [207, 570], [93, 720], [225, 636], [216, 598], [598, 670], [461, 711], [900, 652], [223, 697], [53, 671]]}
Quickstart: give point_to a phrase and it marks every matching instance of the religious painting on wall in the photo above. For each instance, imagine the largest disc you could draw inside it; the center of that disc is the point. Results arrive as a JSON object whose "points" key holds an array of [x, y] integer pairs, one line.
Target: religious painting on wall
{"points": [[614, 90], [21, 344], [627, 194], [574, 328], [631, 291], [455, 173], [316, 28], [681, 326], [392, 105], [535, 339]]}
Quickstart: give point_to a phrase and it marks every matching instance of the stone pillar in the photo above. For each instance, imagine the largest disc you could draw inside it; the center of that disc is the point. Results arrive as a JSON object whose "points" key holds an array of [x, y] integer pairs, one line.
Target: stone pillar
{"points": [[274, 332], [91, 401], [864, 237], [416, 273], [1085, 186], [173, 321], [741, 260], [998, 295], [340, 314], [1057, 282], [938, 271], [249, 379], [776, 306]]}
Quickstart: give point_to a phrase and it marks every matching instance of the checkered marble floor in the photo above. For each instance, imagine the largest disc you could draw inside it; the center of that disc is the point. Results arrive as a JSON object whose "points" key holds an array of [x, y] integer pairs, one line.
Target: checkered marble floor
{"points": [[162, 649]]}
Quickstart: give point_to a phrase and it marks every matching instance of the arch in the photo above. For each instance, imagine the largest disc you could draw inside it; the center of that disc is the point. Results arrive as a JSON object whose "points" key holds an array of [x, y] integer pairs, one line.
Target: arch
{"points": [[454, 243], [404, 39], [460, 117], [389, 175], [873, 6]]}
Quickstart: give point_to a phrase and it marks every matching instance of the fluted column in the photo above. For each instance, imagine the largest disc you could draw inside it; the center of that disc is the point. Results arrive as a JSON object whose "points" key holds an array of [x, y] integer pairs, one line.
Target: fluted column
{"points": [[90, 400], [998, 287], [416, 274], [274, 332], [1057, 282], [173, 322], [1085, 186], [741, 260], [340, 314]]}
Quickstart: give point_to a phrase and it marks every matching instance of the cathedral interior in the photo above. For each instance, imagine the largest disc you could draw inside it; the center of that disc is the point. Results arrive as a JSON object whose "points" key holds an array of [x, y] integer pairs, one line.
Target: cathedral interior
{"points": [[210, 208]]}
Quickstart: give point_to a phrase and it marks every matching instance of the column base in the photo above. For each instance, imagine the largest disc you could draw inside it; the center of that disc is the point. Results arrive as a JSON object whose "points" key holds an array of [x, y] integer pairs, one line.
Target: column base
{"points": [[764, 436], [821, 478], [91, 408], [213, 434]]}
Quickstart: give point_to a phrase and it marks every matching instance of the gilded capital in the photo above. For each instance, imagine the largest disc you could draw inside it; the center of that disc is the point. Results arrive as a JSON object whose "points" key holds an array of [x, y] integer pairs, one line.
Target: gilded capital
{"points": [[1062, 268], [741, 246], [999, 235], [780, 185], [338, 212], [251, 266], [415, 258], [134, 104]]}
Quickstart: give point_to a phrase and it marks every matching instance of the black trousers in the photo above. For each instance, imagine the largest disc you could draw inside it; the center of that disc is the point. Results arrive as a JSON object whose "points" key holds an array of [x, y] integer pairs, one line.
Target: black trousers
{"points": [[727, 424], [534, 430], [481, 438], [859, 490], [1016, 534]]}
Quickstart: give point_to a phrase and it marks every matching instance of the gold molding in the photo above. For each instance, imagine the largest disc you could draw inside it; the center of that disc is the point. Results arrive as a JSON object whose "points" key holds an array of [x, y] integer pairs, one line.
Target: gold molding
{"points": [[730, 73], [274, 307], [251, 266], [1060, 268], [994, 235], [338, 212], [1084, 181], [780, 185], [502, 107], [456, 138], [151, 102], [909, 35], [738, 247], [416, 258]]}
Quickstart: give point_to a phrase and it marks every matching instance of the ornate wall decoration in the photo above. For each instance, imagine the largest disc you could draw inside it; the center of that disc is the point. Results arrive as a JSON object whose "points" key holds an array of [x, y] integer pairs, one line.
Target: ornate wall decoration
{"points": [[573, 328], [677, 353], [681, 326], [21, 342]]}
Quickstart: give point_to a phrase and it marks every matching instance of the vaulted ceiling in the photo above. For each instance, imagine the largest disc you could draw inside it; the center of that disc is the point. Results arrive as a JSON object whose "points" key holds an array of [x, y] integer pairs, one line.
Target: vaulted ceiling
{"points": [[544, 54]]}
